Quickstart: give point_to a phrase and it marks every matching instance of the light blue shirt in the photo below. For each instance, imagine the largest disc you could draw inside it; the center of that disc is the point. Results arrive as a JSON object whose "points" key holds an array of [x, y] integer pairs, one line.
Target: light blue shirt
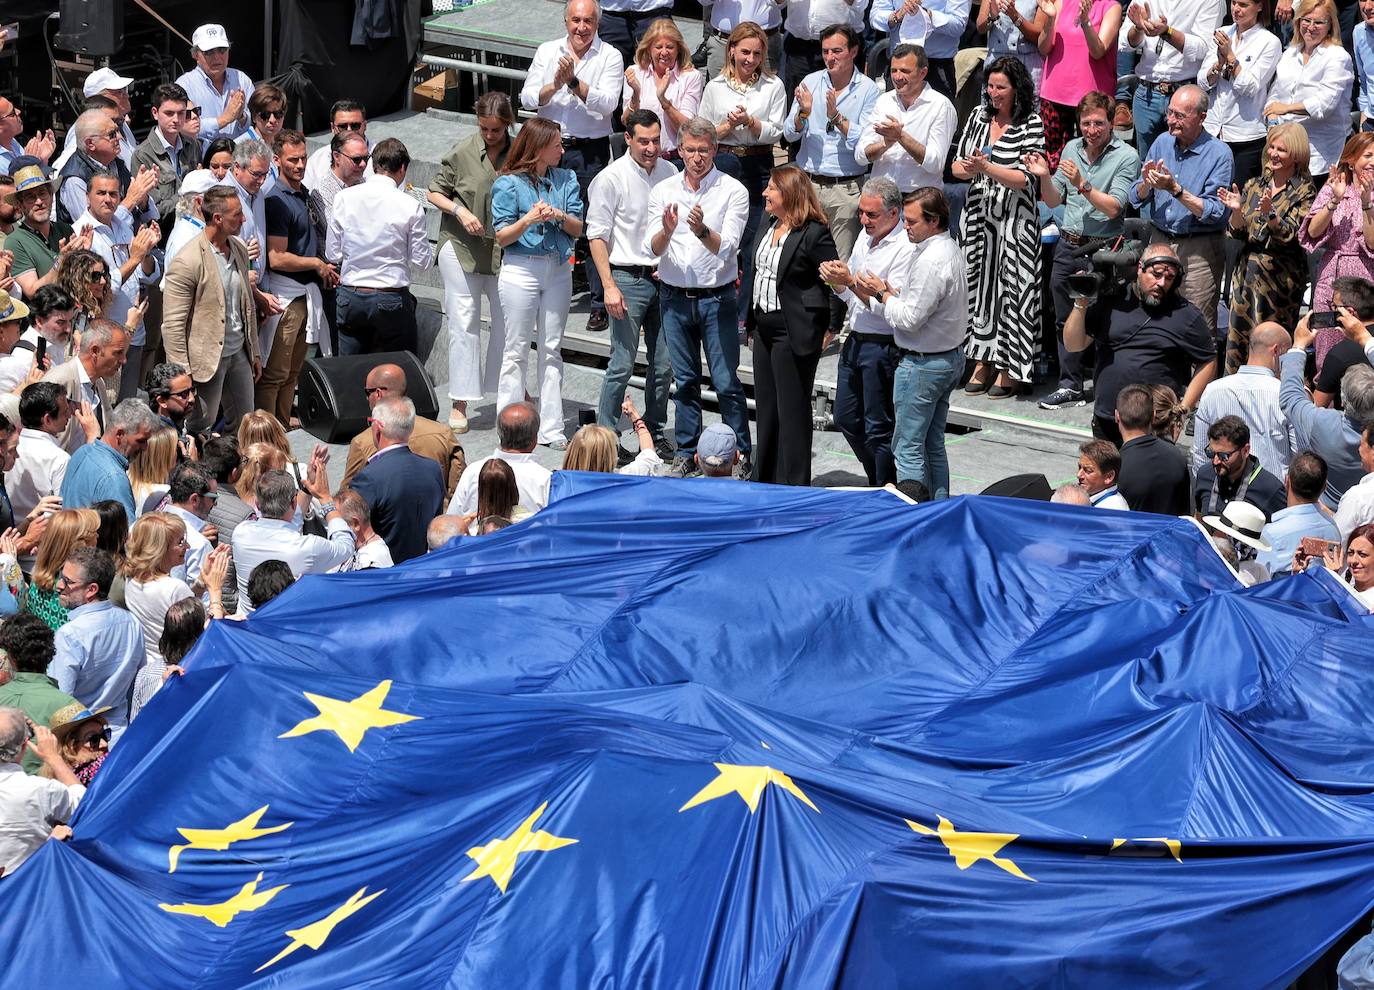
{"points": [[1328, 433], [824, 148], [1285, 531], [1364, 67], [98, 652], [8, 154], [97, 471], [947, 19], [512, 196], [1202, 168], [212, 103]]}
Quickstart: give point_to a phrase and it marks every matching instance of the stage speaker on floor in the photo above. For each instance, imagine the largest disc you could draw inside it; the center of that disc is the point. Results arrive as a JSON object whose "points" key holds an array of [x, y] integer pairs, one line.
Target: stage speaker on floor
{"points": [[91, 27], [330, 399], [1031, 486]]}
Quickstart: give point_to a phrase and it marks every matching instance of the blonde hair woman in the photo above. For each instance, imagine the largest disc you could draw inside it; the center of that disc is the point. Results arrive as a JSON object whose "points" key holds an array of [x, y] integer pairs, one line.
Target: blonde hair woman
{"points": [[1313, 81], [150, 469], [664, 81], [261, 428], [67, 530], [157, 546]]}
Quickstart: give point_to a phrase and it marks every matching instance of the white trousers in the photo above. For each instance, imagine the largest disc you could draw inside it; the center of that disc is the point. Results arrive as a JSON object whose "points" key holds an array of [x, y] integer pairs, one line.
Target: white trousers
{"points": [[470, 378], [536, 291]]}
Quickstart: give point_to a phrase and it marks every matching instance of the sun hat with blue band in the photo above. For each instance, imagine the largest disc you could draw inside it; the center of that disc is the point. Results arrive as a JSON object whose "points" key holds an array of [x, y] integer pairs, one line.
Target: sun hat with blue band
{"points": [[11, 309], [27, 173]]}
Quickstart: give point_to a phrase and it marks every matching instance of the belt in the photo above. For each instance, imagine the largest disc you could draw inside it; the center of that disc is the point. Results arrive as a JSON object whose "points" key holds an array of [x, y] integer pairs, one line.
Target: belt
{"points": [[872, 338], [369, 289], [833, 180], [725, 35], [701, 293], [577, 142], [747, 150], [638, 271], [1168, 88], [1069, 237], [925, 354], [1169, 235]]}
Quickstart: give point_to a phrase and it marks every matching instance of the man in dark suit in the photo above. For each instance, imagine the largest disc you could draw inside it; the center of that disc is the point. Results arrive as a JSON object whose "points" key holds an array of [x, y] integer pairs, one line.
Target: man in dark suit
{"points": [[403, 490], [429, 439], [1154, 471]]}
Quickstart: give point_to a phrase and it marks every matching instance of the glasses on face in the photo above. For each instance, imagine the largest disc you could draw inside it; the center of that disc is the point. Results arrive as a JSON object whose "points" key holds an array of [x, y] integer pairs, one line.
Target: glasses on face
{"points": [[211, 496], [99, 276], [255, 173], [65, 582], [193, 111], [368, 390], [271, 115], [93, 740], [184, 393], [1314, 21], [1219, 455], [14, 112], [358, 160], [110, 135], [350, 125], [1178, 114]]}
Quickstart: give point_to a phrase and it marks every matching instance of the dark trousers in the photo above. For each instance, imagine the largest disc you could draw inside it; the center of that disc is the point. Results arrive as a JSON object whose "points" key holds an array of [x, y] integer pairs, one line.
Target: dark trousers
{"points": [[1074, 366], [1105, 428], [1247, 155], [373, 321], [587, 160], [942, 77], [863, 402], [800, 59], [752, 171], [783, 381], [623, 30]]}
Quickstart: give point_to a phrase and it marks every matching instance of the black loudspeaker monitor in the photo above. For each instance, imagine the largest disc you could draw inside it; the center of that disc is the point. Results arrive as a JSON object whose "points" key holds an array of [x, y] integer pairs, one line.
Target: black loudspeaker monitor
{"points": [[330, 399], [1031, 486], [91, 27]]}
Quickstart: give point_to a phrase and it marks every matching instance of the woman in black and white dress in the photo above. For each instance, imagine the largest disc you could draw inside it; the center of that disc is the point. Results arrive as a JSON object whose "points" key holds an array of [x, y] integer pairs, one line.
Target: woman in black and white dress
{"points": [[1000, 231]]}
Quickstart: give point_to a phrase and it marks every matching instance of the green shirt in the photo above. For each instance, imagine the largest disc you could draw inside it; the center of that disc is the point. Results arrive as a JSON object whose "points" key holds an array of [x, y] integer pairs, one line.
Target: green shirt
{"points": [[46, 605], [31, 252], [466, 176], [1112, 173], [38, 696]]}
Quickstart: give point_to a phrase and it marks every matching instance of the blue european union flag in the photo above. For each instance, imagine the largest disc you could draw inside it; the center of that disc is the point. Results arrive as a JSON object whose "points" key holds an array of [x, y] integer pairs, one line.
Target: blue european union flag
{"points": [[709, 734]]}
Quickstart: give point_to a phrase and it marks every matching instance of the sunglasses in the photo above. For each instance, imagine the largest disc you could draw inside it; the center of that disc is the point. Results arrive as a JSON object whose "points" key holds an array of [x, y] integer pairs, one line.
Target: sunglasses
{"points": [[91, 741], [358, 160], [193, 111], [63, 581], [99, 276], [351, 125], [374, 388], [184, 393], [1220, 455], [271, 115]]}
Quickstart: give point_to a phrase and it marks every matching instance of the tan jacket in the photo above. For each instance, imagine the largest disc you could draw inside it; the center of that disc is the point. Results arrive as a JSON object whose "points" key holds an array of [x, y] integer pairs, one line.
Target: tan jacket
{"points": [[193, 308], [66, 375], [430, 439]]}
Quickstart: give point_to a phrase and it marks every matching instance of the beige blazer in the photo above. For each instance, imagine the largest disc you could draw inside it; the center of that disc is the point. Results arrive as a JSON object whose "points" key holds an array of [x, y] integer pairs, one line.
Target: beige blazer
{"points": [[66, 375], [193, 308]]}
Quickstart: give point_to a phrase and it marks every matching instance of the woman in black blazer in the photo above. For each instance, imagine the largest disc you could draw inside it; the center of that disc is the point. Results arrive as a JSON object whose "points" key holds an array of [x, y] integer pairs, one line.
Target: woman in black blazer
{"points": [[787, 321]]}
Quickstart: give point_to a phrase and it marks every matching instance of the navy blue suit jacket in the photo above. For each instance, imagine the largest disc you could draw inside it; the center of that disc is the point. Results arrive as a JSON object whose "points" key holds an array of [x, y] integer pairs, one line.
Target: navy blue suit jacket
{"points": [[404, 491]]}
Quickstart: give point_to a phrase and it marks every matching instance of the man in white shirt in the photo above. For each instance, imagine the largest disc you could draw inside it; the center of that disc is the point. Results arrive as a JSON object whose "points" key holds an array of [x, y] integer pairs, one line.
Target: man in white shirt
{"points": [[1253, 395], [929, 318], [575, 81], [190, 497], [936, 25], [220, 92], [41, 464], [907, 136], [32, 808], [40, 146], [1173, 37], [51, 312], [726, 15], [517, 434], [617, 229], [275, 535], [375, 232], [869, 357], [1099, 464], [346, 117], [1357, 504], [696, 220]]}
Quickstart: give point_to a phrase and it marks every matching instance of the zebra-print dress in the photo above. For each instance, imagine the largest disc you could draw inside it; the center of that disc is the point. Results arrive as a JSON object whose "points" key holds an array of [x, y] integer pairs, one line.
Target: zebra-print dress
{"points": [[999, 231]]}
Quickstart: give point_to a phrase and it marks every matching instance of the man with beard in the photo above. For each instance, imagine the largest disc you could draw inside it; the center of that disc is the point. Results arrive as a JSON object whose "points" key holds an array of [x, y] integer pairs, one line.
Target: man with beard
{"points": [[1148, 335]]}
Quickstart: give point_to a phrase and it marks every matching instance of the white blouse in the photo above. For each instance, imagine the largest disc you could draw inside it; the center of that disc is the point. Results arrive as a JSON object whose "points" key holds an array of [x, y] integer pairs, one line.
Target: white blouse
{"points": [[766, 274], [766, 100], [1323, 86], [683, 92], [1237, 111]]}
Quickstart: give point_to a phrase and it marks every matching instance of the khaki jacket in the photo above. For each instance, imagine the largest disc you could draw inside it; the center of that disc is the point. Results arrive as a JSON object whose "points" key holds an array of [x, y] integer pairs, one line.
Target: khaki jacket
{"points": [[430, 439], [193, 308]]}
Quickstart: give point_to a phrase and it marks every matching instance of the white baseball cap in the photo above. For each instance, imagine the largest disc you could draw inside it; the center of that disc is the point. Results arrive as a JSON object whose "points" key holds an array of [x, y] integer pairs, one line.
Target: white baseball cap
{"points": [[102, 79], [208, 37], [199, 182]]}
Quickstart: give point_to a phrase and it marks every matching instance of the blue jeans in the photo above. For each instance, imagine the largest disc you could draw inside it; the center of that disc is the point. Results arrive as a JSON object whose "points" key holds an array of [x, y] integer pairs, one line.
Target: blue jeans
{"points": [[708, 323], [1148, 106], [920, 401], [641, 309], [375, 322]]}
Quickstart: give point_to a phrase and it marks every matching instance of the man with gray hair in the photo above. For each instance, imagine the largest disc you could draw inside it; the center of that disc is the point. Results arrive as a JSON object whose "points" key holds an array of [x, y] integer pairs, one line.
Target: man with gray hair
{"points": [[403, 490], [1332, 434], [99, 470], [104, 349], [97, 149], [517, 432], [1071, 495], [1179, 182], [276, 535], [249, 174], [444, 528], [32, 808], [869, 357]]}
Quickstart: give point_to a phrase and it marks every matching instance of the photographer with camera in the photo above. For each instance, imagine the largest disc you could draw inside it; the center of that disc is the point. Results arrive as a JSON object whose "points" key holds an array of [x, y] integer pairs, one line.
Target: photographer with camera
{"points": [[1147, 335], [1092, 183]]}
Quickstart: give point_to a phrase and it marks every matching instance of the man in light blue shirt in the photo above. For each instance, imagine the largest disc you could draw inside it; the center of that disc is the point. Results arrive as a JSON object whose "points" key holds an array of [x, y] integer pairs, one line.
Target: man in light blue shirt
{"points": [[828, 112], [99, 470], [935, 25], [1178, 182], [1304, 517], [220, 92], [1363, 44], [100, 648]]}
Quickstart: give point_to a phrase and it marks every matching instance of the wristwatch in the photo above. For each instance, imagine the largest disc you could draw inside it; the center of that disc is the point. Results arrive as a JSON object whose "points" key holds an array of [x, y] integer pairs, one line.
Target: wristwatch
{"points": [[1085, 188], [703, 233]]}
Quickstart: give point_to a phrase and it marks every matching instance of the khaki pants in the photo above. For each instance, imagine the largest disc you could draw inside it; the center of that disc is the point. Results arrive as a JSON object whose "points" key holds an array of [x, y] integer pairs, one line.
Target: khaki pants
{"points": [[841, 205], [277, 386], [1202, 257]]}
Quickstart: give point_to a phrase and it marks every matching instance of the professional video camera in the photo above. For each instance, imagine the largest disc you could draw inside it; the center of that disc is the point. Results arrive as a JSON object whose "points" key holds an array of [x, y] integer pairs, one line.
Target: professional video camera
{"points": [[1114, 262]]}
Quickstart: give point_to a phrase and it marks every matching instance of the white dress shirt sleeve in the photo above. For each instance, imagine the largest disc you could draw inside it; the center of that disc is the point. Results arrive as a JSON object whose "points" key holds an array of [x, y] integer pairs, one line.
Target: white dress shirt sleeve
{"points": [[770, 121], [1254, 76], [603, 88], [867, 134], [540, 75], [732, 227], [333, 238], [654, 222], [1330, 91], [335, 551], [421, 255], [940, 138], [603, 196]]}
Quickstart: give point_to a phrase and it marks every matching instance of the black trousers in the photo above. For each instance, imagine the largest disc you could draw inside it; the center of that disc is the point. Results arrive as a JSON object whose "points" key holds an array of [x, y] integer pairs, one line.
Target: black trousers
{"points": [[863, 402], [1074, 366], [1106, 429], [783, 381], [624, 30], [800, 59], [587, 159], [942, 77], [1248, 160], [374, 322]]}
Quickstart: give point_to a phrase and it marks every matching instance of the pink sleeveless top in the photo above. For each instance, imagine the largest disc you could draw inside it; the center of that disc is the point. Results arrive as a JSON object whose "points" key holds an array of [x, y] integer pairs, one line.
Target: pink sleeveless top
{"points": [[1069, 72]]}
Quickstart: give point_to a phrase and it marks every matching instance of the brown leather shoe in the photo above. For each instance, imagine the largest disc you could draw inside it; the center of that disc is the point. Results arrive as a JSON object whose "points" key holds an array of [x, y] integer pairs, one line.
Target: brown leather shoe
{"points": [[1123, 120]]}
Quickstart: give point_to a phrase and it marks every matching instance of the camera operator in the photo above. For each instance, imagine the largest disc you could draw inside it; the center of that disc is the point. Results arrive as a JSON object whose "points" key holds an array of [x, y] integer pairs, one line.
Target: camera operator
{"points": [[1149, 335], [1093, 181]]}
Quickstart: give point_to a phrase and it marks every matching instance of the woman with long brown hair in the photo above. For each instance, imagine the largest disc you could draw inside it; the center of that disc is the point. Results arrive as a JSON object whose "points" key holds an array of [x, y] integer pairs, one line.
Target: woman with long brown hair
{"points": [[663, 80], [788, 316], [536, 209], [67, 530]]}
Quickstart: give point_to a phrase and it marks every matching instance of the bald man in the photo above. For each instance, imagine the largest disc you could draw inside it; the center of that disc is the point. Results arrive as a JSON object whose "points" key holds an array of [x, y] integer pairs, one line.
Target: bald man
{"points": [[1252, 393], [429, 439]]}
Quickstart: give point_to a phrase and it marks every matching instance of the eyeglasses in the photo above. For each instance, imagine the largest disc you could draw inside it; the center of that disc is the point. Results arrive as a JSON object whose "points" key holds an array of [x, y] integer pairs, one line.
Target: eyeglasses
{"points": [[184, 393], [1314, 21], [14, 112], [63, 581], [111, 135], [210, 495], [254, 173], [351, 125], [1219, 455], [374, 388], [358, 160], [271, 114], [193, 111], [99, 276], [93, 740]]}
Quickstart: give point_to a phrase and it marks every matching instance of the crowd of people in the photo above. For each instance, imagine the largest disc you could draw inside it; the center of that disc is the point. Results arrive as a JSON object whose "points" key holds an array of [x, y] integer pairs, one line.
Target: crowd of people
{"points": [[814, 186]]}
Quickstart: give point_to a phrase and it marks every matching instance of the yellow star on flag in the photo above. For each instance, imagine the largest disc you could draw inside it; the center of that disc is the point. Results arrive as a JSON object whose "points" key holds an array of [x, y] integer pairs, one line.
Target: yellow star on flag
{"points": [[968, 848], [219, 839], [315, 933], [1174, 846], [748, 782], [350, 720], [247, 899], [497, 858]]}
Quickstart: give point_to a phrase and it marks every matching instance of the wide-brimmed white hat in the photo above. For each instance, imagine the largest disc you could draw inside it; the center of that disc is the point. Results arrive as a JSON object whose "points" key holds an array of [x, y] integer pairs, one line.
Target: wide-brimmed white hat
{"points": [[1241, 521]]}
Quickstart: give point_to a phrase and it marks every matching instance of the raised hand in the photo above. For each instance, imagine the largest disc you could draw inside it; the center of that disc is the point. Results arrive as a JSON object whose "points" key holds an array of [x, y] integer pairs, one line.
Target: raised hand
{"points": [[41, 146], [832, 102], [1223, 41], [631, 80], [670, 218], [1070, 173], [696, 219], [804, 98], [1266, 202], [836, 273], [1038, 164], [889, 129], [564, 73], [144, 242], [1050, 8], [1230, 198], [1336, 182], [9, 542]]}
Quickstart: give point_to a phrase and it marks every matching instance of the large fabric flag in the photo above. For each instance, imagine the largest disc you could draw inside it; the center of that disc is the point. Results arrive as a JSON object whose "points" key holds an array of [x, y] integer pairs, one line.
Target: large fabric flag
{"points": [[709, 734]]}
